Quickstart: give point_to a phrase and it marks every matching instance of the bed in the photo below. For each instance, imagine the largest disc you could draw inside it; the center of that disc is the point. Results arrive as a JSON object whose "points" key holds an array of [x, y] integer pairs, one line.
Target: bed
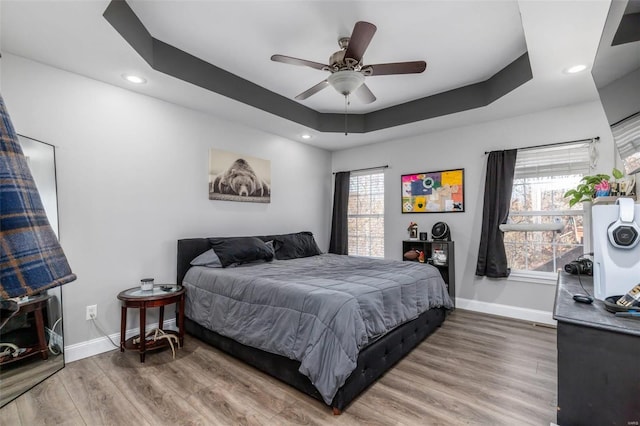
{"points": [[326, 324]]}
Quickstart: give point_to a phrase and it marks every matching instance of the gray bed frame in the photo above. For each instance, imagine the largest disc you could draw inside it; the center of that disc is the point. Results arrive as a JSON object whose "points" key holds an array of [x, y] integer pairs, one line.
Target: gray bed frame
{"points": [[373, 360]]}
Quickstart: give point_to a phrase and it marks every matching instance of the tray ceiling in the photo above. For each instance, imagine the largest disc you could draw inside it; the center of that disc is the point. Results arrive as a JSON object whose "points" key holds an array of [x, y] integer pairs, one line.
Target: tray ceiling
{"points": [[463, 43]]}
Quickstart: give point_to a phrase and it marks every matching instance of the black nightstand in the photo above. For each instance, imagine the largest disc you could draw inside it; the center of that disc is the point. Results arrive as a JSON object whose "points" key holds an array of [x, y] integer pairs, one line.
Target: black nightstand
{"points": [[439, 254]]}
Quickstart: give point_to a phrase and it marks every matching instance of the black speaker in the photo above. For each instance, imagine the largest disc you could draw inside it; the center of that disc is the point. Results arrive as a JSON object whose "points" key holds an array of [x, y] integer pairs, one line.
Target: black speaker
{"points": [[441, 232]]}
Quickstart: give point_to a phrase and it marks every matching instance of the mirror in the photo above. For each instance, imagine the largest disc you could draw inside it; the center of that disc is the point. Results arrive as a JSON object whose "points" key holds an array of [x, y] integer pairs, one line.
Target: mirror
{"points": [[31, 342]]}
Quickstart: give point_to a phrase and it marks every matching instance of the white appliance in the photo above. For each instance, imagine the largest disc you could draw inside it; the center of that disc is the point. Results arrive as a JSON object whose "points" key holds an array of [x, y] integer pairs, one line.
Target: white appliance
{"points": [[616, 252]]}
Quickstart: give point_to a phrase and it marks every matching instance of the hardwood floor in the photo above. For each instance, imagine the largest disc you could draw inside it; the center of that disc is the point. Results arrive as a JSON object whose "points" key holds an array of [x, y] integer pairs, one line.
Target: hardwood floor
{"points": [[475, 370]]}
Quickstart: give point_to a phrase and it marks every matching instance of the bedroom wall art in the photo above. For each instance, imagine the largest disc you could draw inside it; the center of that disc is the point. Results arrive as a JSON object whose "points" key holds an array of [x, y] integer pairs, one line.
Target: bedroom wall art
{"points": [[234, 177], [433, 192]]}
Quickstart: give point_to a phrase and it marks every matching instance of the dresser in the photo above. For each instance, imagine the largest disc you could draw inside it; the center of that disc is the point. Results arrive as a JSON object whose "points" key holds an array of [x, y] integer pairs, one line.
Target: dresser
{"points": [[598, 360]]}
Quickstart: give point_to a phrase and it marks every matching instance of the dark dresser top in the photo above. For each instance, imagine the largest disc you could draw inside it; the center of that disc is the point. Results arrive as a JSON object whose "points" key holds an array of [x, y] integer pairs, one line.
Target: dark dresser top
{"points": [[589, 315]]}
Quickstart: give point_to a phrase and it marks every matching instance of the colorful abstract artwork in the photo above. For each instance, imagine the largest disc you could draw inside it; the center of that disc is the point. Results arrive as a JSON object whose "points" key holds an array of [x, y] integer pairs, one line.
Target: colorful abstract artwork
{"points": [[433, 192]]}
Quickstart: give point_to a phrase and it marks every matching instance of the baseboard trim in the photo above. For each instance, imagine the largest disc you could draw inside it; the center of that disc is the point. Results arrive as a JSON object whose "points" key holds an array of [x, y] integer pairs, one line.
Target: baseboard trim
{"points": [[525, 314], [100, 345]]}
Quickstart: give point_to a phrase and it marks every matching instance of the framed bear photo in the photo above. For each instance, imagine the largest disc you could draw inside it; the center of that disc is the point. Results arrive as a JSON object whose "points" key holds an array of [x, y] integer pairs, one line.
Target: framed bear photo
{"points": [[433, 192], [235, 177]]}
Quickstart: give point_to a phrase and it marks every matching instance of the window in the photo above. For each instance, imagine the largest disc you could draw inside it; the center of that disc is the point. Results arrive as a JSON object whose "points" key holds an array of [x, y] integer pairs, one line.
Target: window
{"points": [[542, 176], [366, 214], [626, 134]]}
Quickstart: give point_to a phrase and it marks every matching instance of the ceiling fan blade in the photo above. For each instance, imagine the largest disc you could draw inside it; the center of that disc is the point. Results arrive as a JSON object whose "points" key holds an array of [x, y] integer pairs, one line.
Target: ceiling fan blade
{"points": [[365, 94], [414, 67], [313, 90], [295, 61], [360, 38]]}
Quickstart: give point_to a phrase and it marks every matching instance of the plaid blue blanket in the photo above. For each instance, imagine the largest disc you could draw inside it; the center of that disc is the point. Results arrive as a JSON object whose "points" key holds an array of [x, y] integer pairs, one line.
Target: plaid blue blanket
{"points": [[31, 259]]}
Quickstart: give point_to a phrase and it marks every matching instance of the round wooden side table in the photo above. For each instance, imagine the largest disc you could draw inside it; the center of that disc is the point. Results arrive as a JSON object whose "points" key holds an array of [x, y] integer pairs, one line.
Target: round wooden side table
{"points": [[160, 296], [38, 305]]}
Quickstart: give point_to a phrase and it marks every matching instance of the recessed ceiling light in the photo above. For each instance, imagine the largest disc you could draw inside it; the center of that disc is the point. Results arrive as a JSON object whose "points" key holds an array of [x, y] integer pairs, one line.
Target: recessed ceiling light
{"points": [[306, 136], [134, 79], [575, 69]]}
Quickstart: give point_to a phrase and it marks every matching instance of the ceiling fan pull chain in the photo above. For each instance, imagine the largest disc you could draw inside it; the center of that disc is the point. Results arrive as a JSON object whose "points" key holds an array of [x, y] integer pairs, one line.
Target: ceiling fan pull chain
{"points": [[346, 104]]}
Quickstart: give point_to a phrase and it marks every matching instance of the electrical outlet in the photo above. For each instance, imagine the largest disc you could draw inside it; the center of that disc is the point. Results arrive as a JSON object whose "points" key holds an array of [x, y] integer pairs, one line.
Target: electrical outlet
{"points": [[92, 312]]}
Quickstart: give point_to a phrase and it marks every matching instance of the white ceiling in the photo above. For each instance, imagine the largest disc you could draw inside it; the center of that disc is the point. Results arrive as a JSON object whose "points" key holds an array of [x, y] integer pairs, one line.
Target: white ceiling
{"points": [[221, 33], [463, 42]]}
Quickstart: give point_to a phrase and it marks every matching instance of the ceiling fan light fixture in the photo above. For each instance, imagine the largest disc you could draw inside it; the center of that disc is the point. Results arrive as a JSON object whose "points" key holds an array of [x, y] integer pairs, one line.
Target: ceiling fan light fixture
{"points": [[346, 82]]}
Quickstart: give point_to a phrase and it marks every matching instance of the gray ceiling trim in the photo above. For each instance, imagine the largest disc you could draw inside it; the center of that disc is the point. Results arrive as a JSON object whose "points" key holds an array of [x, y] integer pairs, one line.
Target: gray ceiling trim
{"points": [[605, 54], [629, 29], [457, 100], [170, 60]]}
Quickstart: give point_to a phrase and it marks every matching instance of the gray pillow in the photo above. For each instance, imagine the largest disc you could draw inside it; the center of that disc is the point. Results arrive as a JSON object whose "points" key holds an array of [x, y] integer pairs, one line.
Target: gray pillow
{"points": [[239, 250], [294, 246], [209, 259], [270, 246]]}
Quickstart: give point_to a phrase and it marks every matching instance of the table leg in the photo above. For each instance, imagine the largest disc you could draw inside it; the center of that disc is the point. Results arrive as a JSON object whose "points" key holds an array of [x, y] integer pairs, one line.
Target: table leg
{"points": [[123, 325], [161, 318], [42, 340], [143, 326], [181, 320]]}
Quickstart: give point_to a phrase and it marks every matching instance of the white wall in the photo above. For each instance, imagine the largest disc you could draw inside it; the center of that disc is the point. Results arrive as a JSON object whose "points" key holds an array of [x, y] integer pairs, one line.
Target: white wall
{"points": [[464, 148], [133, 179]]}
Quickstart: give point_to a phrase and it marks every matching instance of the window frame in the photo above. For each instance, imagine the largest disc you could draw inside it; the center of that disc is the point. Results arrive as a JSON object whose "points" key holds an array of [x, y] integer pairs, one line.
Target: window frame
{"points": [[546, 277], [367, 215]]}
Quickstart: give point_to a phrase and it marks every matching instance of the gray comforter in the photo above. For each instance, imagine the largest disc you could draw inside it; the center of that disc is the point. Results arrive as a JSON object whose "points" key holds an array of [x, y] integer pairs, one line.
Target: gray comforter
{"points": [[319, 310]]}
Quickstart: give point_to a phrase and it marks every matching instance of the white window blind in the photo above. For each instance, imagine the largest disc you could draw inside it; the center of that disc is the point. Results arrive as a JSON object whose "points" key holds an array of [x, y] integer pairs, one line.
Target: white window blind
{"points": [[626, 134], [366, 213], [557, 160]]}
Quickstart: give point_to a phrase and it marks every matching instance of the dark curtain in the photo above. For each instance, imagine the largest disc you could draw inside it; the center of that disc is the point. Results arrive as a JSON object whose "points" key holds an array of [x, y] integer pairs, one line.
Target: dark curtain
{"points": [[492, 259], [339, 243]]}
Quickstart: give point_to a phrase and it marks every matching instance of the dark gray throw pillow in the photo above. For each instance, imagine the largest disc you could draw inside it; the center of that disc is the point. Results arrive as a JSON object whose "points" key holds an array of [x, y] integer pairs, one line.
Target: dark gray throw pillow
{"points": [[293, 246], [240, 250]]}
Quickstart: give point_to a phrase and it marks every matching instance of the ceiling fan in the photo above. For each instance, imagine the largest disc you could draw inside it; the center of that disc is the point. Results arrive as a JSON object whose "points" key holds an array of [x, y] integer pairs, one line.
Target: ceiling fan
{"points": [[346, 68]]}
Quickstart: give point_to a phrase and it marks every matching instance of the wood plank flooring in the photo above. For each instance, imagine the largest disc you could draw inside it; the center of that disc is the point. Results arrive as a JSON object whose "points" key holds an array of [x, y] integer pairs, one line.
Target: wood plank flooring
{"points": [[475, 370], [15, 378]]}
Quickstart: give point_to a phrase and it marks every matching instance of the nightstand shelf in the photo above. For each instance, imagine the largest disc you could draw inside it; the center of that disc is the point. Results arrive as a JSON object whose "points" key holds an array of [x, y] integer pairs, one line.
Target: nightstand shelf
{"points": [[33, 306], [439, 254]]}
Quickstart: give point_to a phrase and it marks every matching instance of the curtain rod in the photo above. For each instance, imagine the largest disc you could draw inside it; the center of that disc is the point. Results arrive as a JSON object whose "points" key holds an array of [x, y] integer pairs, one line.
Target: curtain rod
{"points": [[597, 138], [624, 119], [386, 166]]}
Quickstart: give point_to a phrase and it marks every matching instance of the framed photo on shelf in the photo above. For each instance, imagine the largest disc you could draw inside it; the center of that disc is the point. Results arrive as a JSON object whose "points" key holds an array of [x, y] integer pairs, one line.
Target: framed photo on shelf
{"points": [[413, 233], [433, 192]]}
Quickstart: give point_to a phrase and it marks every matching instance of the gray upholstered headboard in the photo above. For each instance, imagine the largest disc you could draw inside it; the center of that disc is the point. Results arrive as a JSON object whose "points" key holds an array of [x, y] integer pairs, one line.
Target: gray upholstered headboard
{"points": [[188, 249]]}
